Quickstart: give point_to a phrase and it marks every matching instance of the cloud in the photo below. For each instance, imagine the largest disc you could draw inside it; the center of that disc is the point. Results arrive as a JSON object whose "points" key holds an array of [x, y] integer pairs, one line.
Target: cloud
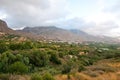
{"points": [[114, 10], [32, 12], [106, 21], [106, 27], [114, 7], [102, 29], [103, 18], [68, 23]]}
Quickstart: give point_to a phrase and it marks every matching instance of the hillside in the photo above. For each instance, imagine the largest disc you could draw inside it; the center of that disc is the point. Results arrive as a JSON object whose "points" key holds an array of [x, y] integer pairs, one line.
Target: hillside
{"points": [[54, 33], [57, 34], [107, 69], [86, 36], [25, 59], [4, 27], [100, 38]]}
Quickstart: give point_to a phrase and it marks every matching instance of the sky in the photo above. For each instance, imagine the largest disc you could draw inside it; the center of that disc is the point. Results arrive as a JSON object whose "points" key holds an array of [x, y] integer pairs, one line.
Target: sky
{"points": [[97, 17]]}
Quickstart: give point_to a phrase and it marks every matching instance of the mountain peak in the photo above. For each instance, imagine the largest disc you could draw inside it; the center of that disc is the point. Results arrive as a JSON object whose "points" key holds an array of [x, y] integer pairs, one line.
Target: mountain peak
{"points": [[4, 27]]}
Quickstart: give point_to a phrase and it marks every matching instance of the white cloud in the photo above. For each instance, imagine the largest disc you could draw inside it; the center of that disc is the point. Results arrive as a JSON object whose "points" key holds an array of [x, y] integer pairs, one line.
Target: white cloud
{"points": [[3, 15], [104, 20], [33, 12], [102, 29], [103, 16]]}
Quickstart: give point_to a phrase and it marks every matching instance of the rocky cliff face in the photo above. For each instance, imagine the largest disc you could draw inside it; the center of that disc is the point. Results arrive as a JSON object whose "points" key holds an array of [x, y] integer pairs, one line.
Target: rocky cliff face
{"points": [[4, 28]]}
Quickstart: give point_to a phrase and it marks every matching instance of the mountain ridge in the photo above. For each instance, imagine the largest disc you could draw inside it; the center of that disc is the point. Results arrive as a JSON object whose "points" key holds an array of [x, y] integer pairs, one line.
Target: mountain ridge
{"points": [[4, 27], [53, 33]]}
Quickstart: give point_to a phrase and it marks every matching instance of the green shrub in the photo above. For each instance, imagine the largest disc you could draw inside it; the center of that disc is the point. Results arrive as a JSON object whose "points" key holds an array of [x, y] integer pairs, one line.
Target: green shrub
{"points": [[21, 46], [67, 67], [81, 68], [54, 58], [73, 52], [4, 62], [15, 46], [3, 47], [36, 77], [39, 58], [19, 57], [18, 67], [27, 45], [48, 76]]}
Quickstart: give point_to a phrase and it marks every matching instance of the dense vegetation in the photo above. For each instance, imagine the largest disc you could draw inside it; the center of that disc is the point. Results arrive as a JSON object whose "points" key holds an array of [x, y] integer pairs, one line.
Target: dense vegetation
{"points": [[43, 60]]}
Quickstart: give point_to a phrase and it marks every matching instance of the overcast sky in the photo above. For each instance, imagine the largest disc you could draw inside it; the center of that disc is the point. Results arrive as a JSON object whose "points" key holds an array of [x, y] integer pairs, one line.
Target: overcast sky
{"points": [[98, 17]]}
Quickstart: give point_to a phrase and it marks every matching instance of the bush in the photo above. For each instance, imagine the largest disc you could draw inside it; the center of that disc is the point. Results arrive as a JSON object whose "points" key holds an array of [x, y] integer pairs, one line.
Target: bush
{"points": [[67, 67], [18, 67], [4, 61], [15, 46], [21, 46], [81, 68], [48, 76], [27, 45], [36, 77], [19, 57], [55, 59], [3, 47], [73, 52], [39, 58]]}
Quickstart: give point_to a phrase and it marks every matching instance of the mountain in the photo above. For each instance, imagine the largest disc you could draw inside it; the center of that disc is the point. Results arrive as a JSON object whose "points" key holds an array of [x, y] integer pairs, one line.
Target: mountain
{"points": [[4, 28], [73, 35], [54, 33], [84, 35], [88, 37]]}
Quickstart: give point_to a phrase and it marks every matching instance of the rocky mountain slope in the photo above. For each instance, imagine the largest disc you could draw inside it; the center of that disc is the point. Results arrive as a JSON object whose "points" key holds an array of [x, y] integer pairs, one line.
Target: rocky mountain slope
{"points": [[4, 28], [58, 34], [88, 37], [52, 33]]}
